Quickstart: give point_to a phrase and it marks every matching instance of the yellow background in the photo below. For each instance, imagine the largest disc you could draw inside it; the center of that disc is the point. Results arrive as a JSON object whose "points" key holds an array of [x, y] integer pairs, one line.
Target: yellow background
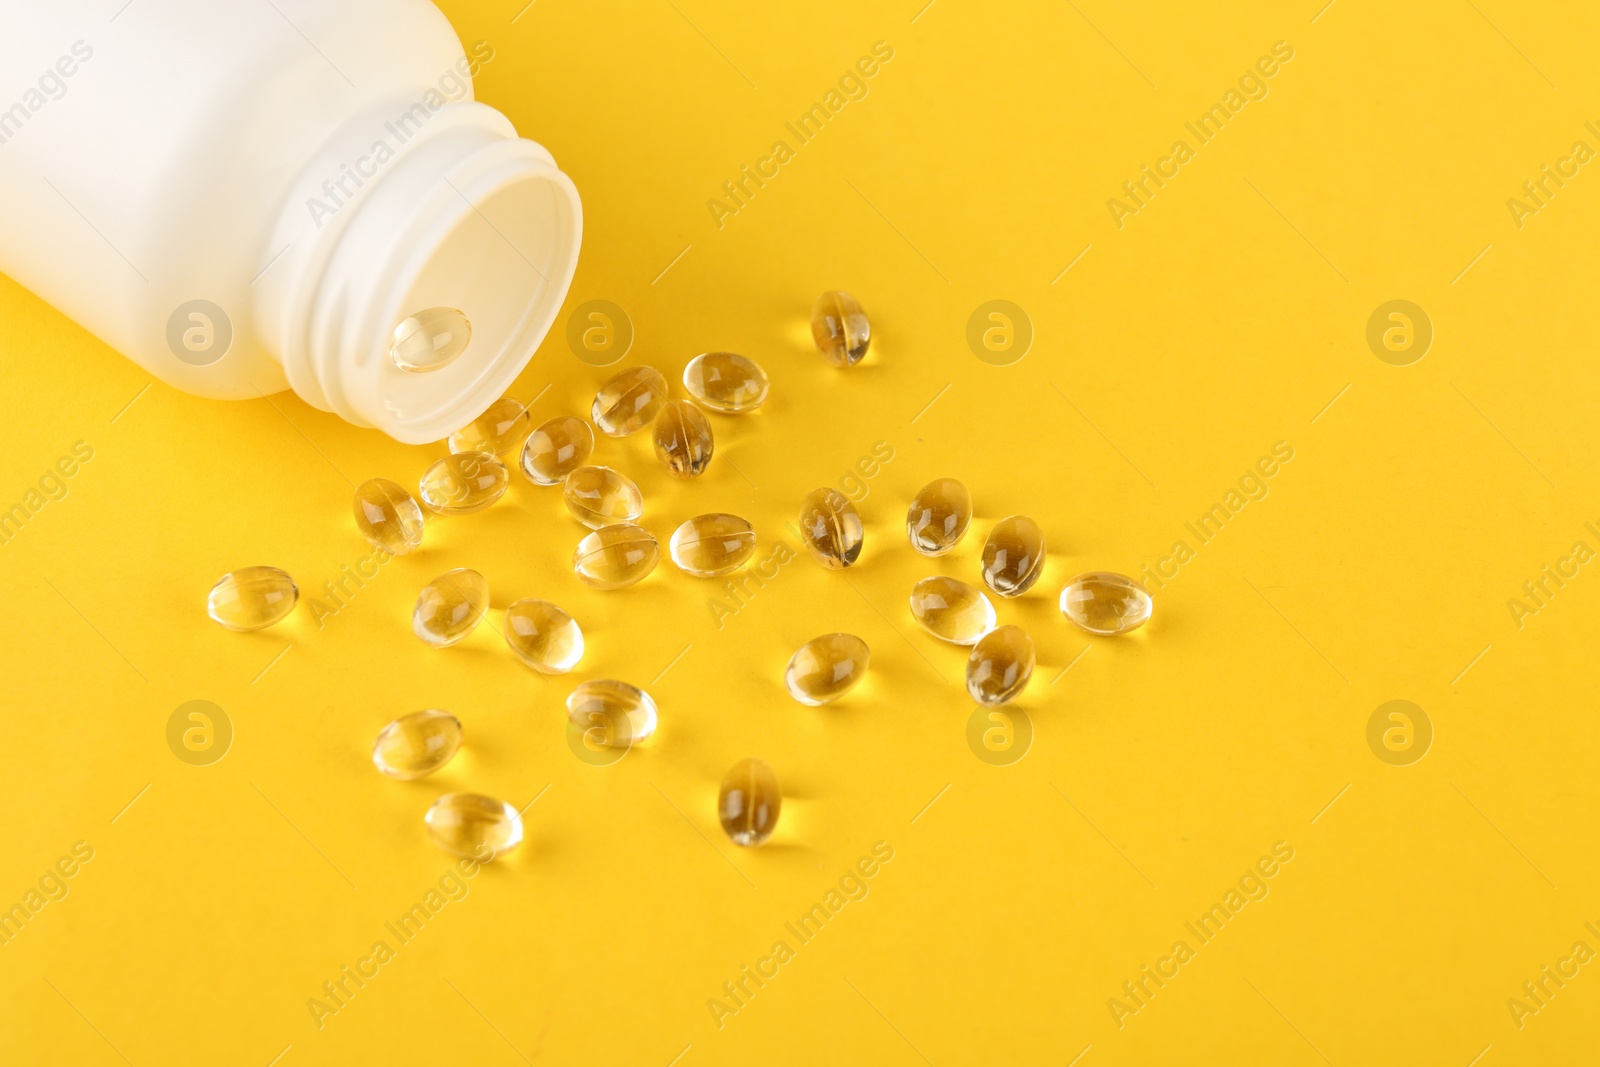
{"points": [[1223, 317]]}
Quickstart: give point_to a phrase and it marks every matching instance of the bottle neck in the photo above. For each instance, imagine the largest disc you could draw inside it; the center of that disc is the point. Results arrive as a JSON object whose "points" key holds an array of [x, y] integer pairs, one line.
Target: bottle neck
{"points": [[464, 214]]}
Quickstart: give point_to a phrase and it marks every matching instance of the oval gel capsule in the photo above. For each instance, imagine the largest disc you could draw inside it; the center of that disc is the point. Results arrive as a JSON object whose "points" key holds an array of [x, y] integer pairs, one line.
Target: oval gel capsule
{"points": [[1104, 602], [938, 516], [628, 402], [831, 528], [952, 611], [599, 496], [612, 713], [616, 556], [709, 546], [499, 429], [725, 382], [1000, 665], [826, 668], [251, 598], [543, 636], [556, 449], [450, 607], [749, 803], [430, 340], [840, 328], [1013, 556], [388, 516], [418, 744], [470, 824], [464, 482], [683, 439]]}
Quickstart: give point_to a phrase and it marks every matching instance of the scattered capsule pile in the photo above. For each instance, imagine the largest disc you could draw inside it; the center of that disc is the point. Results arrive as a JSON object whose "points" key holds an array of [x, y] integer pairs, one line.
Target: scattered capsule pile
{"points": [[618, 553]]}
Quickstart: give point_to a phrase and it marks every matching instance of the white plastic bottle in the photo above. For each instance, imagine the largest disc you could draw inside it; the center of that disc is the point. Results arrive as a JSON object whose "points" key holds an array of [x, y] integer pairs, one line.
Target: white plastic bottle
{"points": [[247, 196]]}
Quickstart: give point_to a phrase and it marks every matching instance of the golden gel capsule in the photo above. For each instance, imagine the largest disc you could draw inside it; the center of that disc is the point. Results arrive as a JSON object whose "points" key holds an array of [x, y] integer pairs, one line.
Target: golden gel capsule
{"points": [[465, 482], [429, 340], [543, 636], [418, 744], [952, 611], [683, 439], [251, 598], [498, 430], [629, 401], [749, 802], [388, 516], [473, 825], [556, 449], [938, 517], [831, 528], [1000, 665], [450, 606], [709, 546], [725, 382], [826, 668], [1013, 556], [1104, 602], [599, 496], [840, 328], [616, 556], [612, 713]]}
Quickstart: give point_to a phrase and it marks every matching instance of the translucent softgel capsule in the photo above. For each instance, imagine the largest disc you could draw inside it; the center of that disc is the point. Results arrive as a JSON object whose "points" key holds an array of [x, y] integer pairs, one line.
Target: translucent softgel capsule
{"points": [[1000, 665], [726, 382], [498, 430], [612, 713], [465, 482], [430, 339], [543, 636], [556, 449], [616, 556], [470, 824], [450, 606], [417, 744], [938, 517], [951, 610], [629, 401], [1013, 556], [683, 439], [599, 496], [749, 802], [1104, 602], [709, 546], [388, 516], [831, 528], [826, 668], [251, 598], [840, 328]]}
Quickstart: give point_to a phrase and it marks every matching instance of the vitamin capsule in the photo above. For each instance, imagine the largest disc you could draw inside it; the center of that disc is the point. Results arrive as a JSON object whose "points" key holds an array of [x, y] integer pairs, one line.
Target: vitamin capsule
{"points": [[749, 803], [465, 482], [1104, 602], [450, 606], [726, 382], [1000, 665], [430, 340], [616, 556], [938, 517], [1013, 556], [612, 713], [709, 546], [952, 611], [388, 516], [498, 430], [683, 439], [418, 744], [629, 401], [556, 449], [826, 668], [830, 526], [840, 328], [599, 496], [251, 598], [543, 636], [470, 824]]}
